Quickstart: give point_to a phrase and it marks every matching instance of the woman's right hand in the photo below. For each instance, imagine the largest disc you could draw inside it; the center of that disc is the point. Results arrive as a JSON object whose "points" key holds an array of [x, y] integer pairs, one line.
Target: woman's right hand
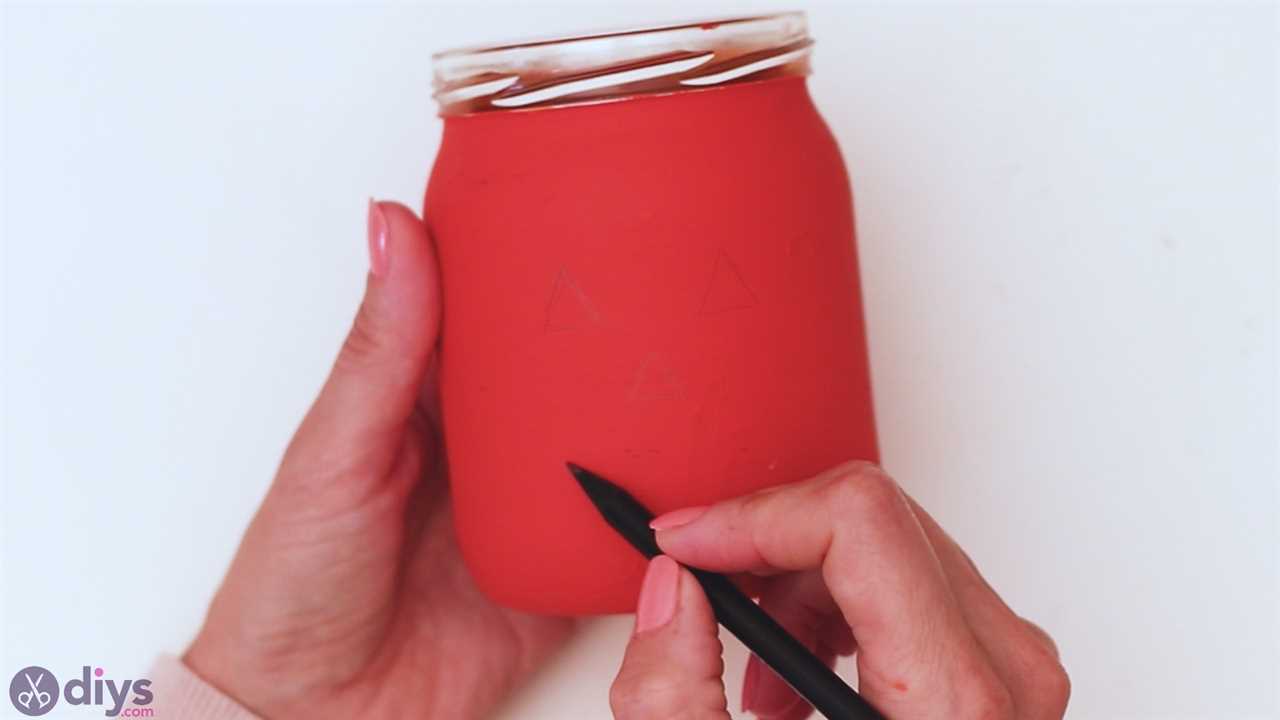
{"points": [[854, 564]]}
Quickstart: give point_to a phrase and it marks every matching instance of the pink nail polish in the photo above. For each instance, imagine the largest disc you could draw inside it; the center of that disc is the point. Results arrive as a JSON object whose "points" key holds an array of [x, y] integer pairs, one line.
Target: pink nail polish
{"points": [[378, 260], [749, 681], [676, 518], [657, 602]]}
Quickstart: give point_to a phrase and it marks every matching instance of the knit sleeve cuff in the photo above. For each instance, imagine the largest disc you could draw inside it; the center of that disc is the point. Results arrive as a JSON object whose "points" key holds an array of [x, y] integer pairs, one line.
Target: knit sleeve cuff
{"points": [[178, 693]]}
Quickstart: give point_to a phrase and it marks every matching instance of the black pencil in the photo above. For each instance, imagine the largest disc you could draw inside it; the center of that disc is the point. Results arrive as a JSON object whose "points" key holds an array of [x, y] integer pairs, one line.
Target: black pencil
{"points": [[791, 660]]}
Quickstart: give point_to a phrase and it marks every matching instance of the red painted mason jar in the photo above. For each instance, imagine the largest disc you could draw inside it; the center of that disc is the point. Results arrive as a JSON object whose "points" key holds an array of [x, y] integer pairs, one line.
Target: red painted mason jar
{"points": [[647, 252]]}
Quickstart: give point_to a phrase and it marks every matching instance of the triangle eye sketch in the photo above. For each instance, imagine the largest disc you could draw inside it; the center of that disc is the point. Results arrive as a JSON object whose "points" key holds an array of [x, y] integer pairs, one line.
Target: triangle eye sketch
{"points": [[568, 307], [726, 290]]}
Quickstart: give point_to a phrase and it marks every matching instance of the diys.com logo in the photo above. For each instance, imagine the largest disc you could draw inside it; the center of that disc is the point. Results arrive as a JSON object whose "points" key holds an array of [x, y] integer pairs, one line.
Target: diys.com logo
{"points": [[35, 691]]}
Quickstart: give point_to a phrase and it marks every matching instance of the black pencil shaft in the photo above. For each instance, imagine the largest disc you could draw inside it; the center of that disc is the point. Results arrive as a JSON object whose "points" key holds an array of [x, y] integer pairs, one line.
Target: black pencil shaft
{"points": [[791, 660]]}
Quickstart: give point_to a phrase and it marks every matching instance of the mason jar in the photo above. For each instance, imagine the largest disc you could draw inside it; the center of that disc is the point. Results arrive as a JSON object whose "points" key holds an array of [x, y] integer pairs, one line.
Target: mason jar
{"points": [[646, 243]]}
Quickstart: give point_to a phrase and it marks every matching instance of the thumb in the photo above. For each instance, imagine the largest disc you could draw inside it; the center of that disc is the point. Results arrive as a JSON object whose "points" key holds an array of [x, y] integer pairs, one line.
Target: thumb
{"points": [[672, 667], [358, 420]]}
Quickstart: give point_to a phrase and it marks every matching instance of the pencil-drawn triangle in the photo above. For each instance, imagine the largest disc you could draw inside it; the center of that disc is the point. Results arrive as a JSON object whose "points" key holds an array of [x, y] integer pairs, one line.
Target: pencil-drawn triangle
{"points": [[656, 379], [568, 308], [726, 290]]}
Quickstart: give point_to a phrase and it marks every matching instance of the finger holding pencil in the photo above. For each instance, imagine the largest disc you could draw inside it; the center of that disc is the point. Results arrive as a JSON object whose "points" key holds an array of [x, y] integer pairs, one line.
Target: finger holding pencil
{"points": [[850, 559]]}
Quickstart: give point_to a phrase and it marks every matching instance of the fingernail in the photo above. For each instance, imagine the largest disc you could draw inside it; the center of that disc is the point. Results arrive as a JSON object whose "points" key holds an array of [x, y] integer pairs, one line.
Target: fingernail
{"points": [[676, 518], [749, 681], [657, 602], [378, 260]]}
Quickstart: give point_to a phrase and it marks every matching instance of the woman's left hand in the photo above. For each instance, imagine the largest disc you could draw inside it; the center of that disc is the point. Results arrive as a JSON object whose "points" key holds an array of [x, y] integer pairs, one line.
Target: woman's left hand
{"points": [[348, 597]]}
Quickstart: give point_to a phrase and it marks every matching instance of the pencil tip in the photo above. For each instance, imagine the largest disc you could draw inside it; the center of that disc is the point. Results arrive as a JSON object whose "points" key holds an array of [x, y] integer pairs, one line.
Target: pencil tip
{"points": [[620, 510], [591, 483]]}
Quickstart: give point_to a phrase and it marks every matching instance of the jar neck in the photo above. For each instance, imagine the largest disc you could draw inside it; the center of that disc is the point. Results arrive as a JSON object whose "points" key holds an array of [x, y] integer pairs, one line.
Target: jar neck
{"points": [[612, 66]]}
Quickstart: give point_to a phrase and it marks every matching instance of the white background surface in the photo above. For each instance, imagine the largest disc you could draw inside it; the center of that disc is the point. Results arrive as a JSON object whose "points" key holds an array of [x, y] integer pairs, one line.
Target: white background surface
{"points": [[1069, 240]]}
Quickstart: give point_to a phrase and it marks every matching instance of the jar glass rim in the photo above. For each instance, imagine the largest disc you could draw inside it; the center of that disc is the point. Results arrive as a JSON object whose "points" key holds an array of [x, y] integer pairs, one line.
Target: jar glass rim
{"points": [[641, 60]]}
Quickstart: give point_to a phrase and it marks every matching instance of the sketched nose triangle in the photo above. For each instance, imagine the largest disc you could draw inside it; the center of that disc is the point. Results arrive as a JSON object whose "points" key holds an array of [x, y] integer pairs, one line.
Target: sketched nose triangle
{"points": [[726, 290], [569, 308]]}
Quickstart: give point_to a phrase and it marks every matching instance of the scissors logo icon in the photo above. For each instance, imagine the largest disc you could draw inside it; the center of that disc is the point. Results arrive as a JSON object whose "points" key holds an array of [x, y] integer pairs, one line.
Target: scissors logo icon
{"points": [[35, 694], [34, 691]]}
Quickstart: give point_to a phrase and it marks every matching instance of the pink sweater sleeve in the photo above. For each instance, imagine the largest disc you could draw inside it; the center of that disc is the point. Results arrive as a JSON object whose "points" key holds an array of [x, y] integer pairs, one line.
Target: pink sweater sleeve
{"points": [[179, 693]]}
